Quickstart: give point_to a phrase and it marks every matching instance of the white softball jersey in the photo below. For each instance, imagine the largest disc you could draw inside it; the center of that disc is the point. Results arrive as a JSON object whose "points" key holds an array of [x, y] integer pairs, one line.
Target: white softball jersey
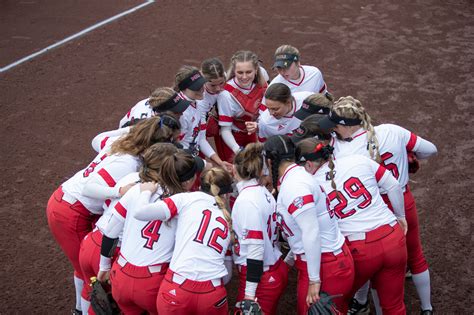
{"points": [[254, 222], [299, 192], [139, 111], [394, 142], [269, 126], [205, 105], [144, 243], [202, 236], [105, 169], [108, 207], [311, 80], [229, 107], [357, 203]]}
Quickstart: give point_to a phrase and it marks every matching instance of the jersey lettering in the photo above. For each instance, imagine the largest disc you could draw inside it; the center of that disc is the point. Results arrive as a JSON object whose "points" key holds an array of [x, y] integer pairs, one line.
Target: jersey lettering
{"points": [[392, 167], [354, 188], [89, 169], [150, 233], [284, 228]]}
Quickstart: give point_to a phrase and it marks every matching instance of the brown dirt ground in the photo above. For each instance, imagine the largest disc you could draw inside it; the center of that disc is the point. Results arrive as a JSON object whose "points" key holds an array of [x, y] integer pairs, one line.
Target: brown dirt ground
{"points": [[409, 62]]}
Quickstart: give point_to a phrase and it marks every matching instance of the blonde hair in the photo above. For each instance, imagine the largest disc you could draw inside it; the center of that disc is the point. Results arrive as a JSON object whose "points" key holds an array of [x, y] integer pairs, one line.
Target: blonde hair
{"points": [[249, 162], [319, 99], [159, 96], [246, 56], [153, 160], [215, 178], [310, 145], [142, 136], [212, 69], [183, 73], [349, 107], [287, 49]]}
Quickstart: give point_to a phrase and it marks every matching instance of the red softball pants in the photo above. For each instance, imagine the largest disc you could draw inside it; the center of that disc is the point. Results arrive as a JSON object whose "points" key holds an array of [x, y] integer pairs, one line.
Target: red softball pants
{"points": [[69, 223], [135, 288], [270, 288], [416, 259], [181, 296], [380, 256], [242, 139], [337, 277]]}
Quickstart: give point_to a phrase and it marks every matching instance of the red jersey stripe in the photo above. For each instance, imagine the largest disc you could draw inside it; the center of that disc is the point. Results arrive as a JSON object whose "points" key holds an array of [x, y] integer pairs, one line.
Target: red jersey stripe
{"points": [[225, 118], [203, 126], [171, 207], [104, 142], [380, 172], [121, 210], [323, 88], [262, 107], [411, 143], [106, 176], [299, 202], [256, 235]]}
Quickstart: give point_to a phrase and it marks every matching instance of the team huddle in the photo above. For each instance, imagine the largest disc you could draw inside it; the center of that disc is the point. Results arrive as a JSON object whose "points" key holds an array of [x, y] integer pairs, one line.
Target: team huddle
{"points": [[293, 179]]}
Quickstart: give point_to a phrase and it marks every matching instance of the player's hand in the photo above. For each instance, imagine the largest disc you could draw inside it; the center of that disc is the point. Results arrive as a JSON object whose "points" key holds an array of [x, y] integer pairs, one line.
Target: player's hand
{"points": [[313, 293], [403, 224], [125, 188], [103, 276], [251, 126], [227, 166], [149, 186]]}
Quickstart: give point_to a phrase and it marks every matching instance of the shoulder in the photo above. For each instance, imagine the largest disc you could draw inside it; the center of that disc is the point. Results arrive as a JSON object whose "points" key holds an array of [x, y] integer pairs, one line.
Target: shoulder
{"points": [[311, 70]]}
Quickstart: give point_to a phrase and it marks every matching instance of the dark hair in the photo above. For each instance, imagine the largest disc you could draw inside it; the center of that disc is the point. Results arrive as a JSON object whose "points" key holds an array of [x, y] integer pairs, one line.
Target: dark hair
{"points": [[278, 148], [278, 92]]}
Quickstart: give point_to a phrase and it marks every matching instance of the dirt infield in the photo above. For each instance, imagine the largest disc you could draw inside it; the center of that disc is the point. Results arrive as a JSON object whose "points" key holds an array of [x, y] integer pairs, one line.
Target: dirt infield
{"points": [[409, 62]]}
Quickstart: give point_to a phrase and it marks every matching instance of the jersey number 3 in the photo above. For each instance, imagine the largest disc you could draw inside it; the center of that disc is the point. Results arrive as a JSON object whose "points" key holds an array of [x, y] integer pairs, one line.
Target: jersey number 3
{"points": [[215, 233]]}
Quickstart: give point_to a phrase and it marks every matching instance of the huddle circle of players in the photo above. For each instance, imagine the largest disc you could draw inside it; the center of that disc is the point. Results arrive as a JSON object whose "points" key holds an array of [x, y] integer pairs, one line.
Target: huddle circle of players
{"points": [[163, 216]]}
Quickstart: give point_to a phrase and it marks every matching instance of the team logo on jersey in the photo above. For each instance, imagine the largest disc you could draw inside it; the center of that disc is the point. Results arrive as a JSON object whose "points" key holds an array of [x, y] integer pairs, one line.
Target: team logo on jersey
{"points": [[298, 202], [280, 127]]}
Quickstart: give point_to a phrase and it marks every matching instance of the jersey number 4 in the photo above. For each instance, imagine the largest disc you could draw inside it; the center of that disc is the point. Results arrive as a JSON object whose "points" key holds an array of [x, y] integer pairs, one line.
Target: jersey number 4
{"points": [[354, 188], [150, 233], [215, 233]]}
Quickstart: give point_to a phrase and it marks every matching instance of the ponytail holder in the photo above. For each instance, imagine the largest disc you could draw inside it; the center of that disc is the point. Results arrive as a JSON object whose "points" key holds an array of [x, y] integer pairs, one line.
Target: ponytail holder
{"points": [[318, 147], [327, 151]]}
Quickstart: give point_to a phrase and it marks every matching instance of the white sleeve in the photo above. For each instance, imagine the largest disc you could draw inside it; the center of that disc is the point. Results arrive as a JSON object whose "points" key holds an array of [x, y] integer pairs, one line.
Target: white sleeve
{"points": [[224, 107], [308, 223], [228, 137], [228, 265], [114, 226], [96, 188], [151, 211], [204, 145], [424, 149], [98, 141], [394, 192]]}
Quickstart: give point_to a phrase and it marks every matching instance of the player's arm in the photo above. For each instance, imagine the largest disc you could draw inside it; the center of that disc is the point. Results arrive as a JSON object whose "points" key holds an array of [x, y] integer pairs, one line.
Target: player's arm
{"points": [[388, 182], [229, 264], [162, 210], [100, 141], [424, 149], [225, 120]]}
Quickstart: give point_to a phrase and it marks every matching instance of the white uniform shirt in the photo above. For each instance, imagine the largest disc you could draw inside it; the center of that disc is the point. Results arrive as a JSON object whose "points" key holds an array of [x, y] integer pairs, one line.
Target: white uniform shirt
{"points": [[104, 219], [254, 222], [359, 206], [394, 142], [144, 243], [269, 126], [311, 80], [299, 192], [191, 124], [205, 105], [139, 111], [203, 236], [109, 169], [229, 107]]}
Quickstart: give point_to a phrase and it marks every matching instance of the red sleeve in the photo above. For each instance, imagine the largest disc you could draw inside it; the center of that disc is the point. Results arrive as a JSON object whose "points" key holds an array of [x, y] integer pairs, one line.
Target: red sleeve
{"points": [[121, 209], [107, 178], [171, 206], [411, 143], [380, 172], [299, 202], [256, 235]]}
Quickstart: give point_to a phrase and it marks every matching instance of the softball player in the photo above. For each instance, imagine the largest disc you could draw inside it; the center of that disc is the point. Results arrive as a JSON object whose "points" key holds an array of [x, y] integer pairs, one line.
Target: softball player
{"points": [[280, 118], [297, 77], [146, 246], [263, 275], [162, 100], [194, 282], [322, 260], [376, 240], [387, 144], [239, 103], [75, 206], [190, 84]]}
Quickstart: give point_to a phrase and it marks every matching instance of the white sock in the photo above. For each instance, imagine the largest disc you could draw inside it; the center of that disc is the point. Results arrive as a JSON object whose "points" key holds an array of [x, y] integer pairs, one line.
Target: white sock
{"points": [[361, 294], [375, 298], [85, 305], [78, 283], [423, 287]]}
